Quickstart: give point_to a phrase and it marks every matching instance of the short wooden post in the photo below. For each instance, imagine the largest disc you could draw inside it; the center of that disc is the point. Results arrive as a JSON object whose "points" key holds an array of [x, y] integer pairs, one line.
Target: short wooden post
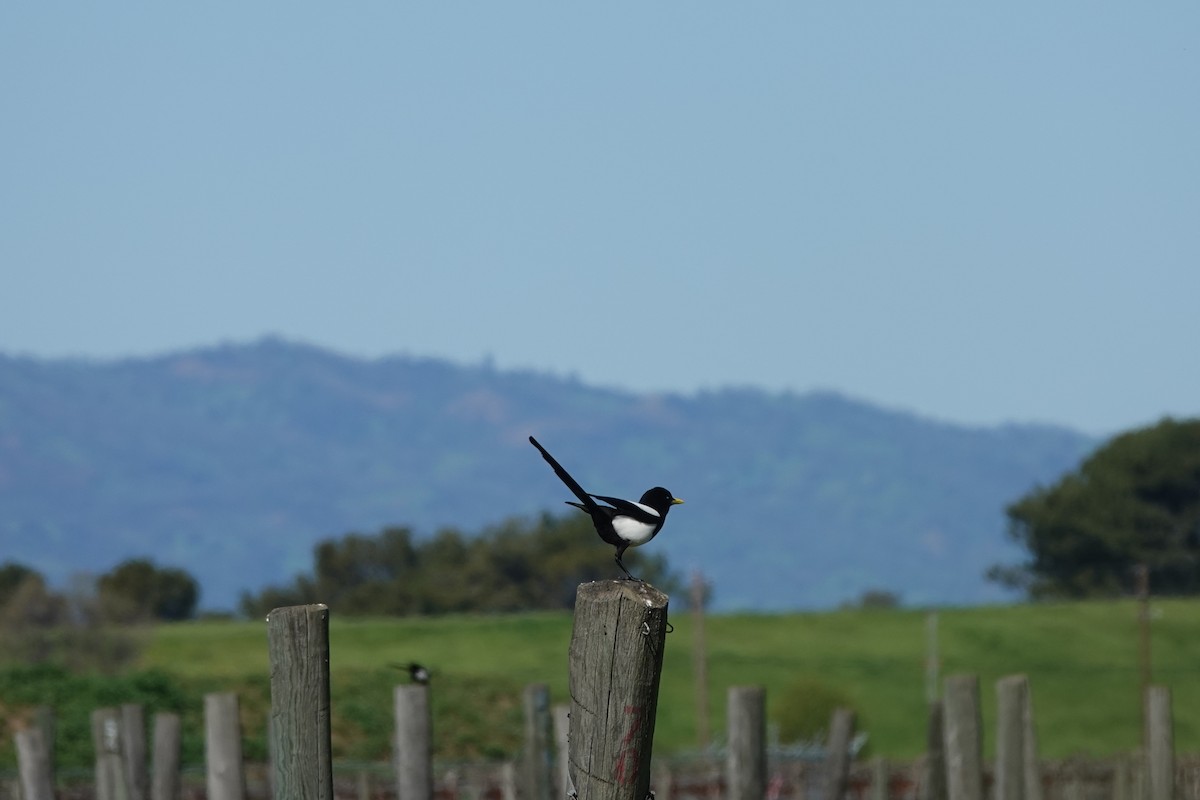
{"points": [[934, 786], [562, 735], [1160, 744], [45, 721], [879, 778], [133, 749], [1011, 692], [414, 743], [615, 659], [298, 638], [837, 755], [33, 765], [164, 781], [106, 741], [1032, 757], [746, 762], [539, 763], [225, 774], [963, 737]]}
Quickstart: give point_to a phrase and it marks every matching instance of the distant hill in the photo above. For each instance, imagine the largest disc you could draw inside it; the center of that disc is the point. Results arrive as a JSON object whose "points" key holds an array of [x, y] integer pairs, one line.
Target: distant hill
{"points": [[231, 461]]}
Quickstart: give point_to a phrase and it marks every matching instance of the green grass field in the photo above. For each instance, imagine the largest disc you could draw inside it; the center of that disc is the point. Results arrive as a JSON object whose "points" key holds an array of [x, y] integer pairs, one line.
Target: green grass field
{"points": [[1081, 659]]}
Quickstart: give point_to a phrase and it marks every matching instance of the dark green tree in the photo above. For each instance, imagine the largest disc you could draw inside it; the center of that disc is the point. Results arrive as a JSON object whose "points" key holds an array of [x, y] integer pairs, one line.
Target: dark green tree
{"points": [[517, 565], [12, 575], [1135, 500], [138, 589]]}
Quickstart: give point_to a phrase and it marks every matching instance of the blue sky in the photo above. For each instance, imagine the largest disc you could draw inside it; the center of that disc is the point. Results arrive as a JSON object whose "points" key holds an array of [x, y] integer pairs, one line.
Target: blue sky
{"points": [[978, 214]]}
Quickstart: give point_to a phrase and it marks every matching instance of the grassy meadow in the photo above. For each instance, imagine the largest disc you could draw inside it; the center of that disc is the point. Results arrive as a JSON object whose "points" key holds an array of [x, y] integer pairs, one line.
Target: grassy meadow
{"points": [[1081, 659]]}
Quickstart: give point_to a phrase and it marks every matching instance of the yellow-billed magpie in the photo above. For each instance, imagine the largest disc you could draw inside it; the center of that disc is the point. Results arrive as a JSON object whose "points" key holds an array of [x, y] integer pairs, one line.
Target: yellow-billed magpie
{"points": [[621, 523]]}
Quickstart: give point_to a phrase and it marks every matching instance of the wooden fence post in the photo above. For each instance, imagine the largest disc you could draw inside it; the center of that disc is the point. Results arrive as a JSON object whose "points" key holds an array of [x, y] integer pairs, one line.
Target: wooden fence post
{"points": [[879, 778], [106, 741], [539, 762], [1160, 744], [46, 722], [837, 755], [964, 740], [225, 774], [746, 730], [562, 737], [1011, 694], [615, 659], [934, 787], [414, 743], [298, 638], [164, 782], [33, 764], [1031, 757], [133, 749]]}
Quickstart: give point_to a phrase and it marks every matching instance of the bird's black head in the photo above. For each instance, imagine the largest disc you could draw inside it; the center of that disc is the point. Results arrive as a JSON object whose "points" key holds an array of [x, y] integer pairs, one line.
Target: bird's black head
{"points": [[660, 500]]}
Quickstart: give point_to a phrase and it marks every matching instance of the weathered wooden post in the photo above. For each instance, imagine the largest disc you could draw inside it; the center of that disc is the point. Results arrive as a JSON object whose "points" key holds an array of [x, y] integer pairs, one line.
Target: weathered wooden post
{"points": [[879, 778], [298, 638], [562, 735], [133, 749], [539, 763], [414, 743], [1160, 744], [225, 775], [164, 781], [1011, 694], [1032, 757], [934, 787], [106, 741], [615, 658], [45, 721], [746, 723], [33, 765], [837, 755], [963, 737]]}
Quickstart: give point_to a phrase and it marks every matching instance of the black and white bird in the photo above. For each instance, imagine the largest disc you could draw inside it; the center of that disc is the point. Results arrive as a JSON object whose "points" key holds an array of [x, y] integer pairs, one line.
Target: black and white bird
{"points": [[621, 523], [415, 671]]}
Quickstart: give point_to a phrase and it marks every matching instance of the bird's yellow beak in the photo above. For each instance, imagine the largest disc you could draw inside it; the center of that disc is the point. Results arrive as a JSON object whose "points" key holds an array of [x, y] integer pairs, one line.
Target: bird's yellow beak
{"points": [[675, 501]]}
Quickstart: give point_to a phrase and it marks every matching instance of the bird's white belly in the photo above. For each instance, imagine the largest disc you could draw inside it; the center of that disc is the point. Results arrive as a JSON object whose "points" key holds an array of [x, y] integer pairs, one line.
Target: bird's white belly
{"points": [[633, 531]]}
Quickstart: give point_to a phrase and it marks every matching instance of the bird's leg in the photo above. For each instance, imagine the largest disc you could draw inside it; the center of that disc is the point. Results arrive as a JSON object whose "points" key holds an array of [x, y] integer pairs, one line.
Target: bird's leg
{"points": [[621, 564]]}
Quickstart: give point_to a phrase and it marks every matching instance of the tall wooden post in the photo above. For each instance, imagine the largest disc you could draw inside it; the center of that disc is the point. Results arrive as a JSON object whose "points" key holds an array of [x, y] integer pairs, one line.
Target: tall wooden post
{"points": [[539, 763], [298, 637], [414, 743], [33, 764], [964, 739], [224, 770], [1031, 757], [746, 763], [1160, 744], [615, 666], [837, 756], [699, 658], [1011, 693], [1143, 595], [562, 736], [133, 749], [934, 786], [106, 741], [164, 780], [45, 721]]}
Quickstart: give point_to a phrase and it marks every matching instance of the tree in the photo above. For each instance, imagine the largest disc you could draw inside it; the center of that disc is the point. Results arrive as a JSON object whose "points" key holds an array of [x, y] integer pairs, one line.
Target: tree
{"points": [[1135, 500], [137, 589], [516, 565]]}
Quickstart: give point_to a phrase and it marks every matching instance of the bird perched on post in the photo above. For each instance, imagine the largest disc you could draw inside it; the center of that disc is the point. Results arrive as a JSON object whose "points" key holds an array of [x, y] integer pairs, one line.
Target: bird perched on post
{"points": [[621, 523], [415, 671]]}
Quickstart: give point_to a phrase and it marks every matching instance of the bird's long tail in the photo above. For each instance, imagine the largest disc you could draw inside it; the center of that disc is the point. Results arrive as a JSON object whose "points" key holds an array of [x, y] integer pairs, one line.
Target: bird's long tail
{"points": [[565, 477]]}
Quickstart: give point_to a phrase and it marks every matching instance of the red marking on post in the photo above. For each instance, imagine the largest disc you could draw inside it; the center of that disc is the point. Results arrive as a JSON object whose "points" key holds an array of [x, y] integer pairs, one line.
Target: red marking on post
{"points": [[622, 775]]}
